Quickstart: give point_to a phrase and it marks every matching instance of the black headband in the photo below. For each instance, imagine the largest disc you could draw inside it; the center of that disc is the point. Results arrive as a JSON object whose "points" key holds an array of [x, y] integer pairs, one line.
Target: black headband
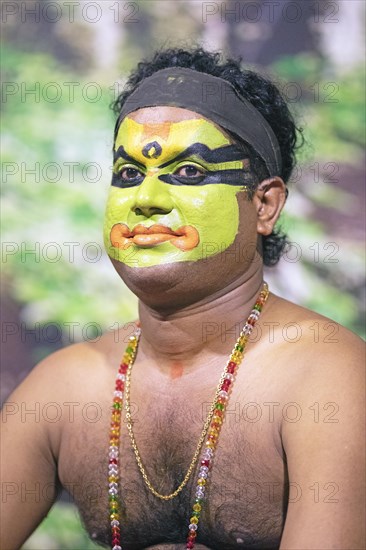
{"points": [[213, 98]]}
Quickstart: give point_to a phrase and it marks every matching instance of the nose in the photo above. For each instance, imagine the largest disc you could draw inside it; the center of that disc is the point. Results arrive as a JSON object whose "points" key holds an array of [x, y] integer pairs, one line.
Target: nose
{"points": [[152, 197]]}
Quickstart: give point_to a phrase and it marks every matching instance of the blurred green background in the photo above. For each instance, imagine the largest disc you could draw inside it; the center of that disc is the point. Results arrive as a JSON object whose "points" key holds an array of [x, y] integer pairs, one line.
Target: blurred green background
{"points": [[60, 72]]}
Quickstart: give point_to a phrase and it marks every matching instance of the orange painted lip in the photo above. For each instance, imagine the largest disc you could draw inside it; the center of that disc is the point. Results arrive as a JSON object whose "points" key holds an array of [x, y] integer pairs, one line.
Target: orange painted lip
{"points": [[185, 237]]}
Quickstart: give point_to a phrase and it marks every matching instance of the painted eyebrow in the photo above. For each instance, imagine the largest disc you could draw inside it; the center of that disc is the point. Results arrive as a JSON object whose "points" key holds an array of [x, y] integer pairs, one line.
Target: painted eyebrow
{"points": [[226, 153], [121, 153]]}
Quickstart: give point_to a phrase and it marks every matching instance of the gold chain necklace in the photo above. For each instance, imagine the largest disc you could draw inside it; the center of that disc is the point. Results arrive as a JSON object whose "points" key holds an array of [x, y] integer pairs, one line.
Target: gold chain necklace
{"points": [[196, 453], [201, 440]]}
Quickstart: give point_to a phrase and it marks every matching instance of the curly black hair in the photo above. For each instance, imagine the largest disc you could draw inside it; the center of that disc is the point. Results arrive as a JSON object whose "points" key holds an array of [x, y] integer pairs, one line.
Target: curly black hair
{"points": [[259, 91]]}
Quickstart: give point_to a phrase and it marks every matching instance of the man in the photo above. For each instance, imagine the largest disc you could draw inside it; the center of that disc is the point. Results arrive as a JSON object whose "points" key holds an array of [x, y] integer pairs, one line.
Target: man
{"points": [[210, 453]]}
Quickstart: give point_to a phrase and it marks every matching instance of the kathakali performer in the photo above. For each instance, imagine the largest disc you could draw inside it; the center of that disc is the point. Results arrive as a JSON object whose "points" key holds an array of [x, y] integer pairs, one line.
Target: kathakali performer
{"points": [[226, 417]]}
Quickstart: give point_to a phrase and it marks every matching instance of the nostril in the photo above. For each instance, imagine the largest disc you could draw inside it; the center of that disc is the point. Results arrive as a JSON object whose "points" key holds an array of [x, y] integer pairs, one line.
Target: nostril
{"points": [[148, 211]]}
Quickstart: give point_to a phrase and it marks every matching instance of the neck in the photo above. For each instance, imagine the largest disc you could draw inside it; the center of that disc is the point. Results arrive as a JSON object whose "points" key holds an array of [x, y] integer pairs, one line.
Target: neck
{"points": [[209, 326]]}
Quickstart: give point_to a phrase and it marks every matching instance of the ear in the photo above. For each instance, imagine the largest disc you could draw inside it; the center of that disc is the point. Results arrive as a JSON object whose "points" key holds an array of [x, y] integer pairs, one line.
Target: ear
{"points": [[269, 199]]}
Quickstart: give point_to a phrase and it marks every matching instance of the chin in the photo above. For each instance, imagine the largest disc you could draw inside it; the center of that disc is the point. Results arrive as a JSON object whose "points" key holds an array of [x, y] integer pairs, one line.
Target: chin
{"points": [[181, 283], [161, 285]]}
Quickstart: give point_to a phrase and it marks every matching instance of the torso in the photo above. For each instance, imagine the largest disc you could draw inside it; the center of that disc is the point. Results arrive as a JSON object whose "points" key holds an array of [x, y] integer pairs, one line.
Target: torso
{"points": [[248, 488], [246, 491]]}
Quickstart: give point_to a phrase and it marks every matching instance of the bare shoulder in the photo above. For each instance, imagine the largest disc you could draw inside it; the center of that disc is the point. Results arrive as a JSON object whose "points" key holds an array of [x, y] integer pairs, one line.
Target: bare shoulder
{"points": [[82, 365], [315, 340], [321, 368], [80, 373], [311, 358]]}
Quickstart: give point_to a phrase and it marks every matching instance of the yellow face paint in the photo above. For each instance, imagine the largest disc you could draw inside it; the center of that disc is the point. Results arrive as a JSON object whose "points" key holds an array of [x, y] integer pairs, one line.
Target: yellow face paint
{"points": [[173, 194]]}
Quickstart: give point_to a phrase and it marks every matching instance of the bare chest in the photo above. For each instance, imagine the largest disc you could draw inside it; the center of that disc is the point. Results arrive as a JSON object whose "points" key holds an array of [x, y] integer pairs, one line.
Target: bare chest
{"points": [[246, 491]]}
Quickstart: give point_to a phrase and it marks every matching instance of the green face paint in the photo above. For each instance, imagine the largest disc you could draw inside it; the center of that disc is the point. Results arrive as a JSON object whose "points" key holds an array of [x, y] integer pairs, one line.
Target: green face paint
{"points": [[173, 194]]}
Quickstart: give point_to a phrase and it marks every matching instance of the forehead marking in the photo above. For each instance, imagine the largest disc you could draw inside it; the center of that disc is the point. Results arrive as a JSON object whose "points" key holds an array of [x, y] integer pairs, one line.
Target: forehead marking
{"points": [[152, 150]]}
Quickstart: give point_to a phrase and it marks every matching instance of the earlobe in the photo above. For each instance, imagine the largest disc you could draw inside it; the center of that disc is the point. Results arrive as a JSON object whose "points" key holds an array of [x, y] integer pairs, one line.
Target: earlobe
{"points": [[269, 199]]}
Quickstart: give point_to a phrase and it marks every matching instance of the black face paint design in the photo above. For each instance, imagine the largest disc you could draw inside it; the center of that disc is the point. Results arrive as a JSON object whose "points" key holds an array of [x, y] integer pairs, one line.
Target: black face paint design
{"points": [[228, 177], [227, 153], [152, 150], [121, 153], [117, 181]]}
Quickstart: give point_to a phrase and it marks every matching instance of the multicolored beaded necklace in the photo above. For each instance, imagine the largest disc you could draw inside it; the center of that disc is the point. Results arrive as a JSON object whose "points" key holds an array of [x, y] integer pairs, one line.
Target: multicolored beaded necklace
{"points": [[211, 428]]}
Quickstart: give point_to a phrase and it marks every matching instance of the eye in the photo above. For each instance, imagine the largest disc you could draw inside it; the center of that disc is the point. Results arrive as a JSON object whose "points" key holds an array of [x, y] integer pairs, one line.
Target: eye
{"points": [[128, 173], [189, 171]]}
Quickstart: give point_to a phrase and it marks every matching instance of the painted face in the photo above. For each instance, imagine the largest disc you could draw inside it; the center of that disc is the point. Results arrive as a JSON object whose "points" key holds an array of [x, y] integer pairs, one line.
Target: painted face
{"points": [[174, 192]]}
